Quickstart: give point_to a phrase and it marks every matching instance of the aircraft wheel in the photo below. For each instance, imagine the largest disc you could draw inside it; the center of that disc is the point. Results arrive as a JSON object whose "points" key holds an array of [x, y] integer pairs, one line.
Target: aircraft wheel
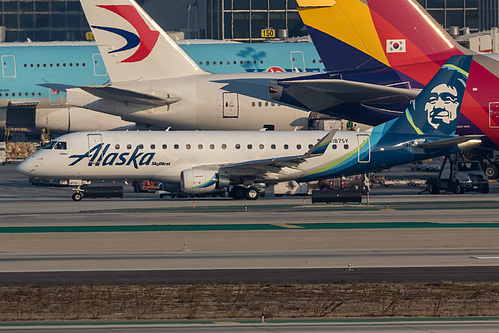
{"points": [[432, 189], [485, 189], [238, 193], [77, 196], [458, 189], [491, 171], [251, 194]]}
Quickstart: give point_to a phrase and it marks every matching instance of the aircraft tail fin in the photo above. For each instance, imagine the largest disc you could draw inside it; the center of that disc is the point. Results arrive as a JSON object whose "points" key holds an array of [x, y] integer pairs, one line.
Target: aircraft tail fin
{"points": [[132, 45], [435, 111], [366, 34]]}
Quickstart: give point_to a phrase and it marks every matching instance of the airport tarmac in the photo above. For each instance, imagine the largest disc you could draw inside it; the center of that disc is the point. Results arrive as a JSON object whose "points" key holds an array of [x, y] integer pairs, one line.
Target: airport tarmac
{"points": [[395, 326], [42, 229]]}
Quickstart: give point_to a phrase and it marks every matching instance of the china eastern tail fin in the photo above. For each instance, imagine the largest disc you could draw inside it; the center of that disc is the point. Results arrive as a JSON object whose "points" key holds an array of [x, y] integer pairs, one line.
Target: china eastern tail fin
{"points": [[367, 34], [132, 45], [436, 109]]}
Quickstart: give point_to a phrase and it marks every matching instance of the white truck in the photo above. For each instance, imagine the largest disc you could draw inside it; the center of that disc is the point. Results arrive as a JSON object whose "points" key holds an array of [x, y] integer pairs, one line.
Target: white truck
{"points": [[459, 176]]}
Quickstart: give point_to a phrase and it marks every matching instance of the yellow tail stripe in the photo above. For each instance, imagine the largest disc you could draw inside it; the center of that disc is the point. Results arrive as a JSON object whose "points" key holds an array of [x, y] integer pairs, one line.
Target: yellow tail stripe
{"points": [[347, 20]]}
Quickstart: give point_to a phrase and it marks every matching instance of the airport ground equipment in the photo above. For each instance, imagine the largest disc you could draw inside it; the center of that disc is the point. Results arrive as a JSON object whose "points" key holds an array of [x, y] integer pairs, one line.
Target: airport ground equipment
{"points": [[459, 175], [98, 192], [144, 186], [330, 196], [16, 151]]}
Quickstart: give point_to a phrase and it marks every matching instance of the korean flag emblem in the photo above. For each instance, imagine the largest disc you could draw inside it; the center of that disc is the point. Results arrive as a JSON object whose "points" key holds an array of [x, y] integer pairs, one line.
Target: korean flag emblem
{"points": [[395, 46]]}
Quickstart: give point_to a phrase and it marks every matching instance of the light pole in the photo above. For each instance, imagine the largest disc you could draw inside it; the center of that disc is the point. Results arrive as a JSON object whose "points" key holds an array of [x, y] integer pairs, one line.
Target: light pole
{"points": [[189, 35], [189, 21]]}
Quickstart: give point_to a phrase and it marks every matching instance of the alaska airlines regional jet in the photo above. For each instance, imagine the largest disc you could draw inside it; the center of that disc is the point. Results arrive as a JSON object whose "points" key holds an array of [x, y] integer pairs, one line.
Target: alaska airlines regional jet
{"points": [[29, 69], [381, 45], [156, 82], [204, 162]]}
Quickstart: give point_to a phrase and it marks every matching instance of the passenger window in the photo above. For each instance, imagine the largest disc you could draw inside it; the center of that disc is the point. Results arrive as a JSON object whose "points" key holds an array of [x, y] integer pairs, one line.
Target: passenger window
{"points": [[272, 146], [238, 146], [286, 147], [261, 146], [346, 146], [250, 146], [224, 146], [128, 146], [298, 146], [176, 146], [212, 146], [140, 146], [200, 146], [310, 146], [164, 146], [153, 146], [188, 146], [334, 146], [116, 146]]}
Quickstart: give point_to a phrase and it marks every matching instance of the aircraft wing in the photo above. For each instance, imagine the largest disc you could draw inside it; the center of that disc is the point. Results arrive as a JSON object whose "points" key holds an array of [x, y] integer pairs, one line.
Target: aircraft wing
{"points": [[267, 169], [321, 94], [130, 96]]}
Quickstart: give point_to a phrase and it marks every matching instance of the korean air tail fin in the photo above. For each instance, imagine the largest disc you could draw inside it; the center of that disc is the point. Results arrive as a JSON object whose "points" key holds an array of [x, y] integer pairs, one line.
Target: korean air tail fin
{"points": [[132, 45], [435, 111], [366, 34]]}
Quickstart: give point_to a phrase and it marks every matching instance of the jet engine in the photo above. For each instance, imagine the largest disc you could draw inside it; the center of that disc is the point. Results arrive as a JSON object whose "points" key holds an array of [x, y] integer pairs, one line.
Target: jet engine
{"points": [[202, 181]]}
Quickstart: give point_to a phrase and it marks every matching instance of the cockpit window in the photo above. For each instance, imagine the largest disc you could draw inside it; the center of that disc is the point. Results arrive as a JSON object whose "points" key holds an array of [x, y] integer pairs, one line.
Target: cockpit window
{"points": [[50, 145], [61, 145]]}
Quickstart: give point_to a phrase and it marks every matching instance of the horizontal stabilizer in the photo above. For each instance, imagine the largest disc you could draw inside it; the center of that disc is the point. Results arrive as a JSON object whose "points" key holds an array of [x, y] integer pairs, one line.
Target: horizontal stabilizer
{"points": [[322, 94], [129, 96], [465, 141], [351, 91]]}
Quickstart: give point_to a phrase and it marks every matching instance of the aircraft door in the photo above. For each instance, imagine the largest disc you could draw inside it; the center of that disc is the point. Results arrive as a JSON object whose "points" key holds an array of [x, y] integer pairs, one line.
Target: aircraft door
{"points": [[494, 115], [56, 97], [230, 105], [99, 67], [364, 148], [9, 66], [297, 61], [93, 140], [21, 117]]}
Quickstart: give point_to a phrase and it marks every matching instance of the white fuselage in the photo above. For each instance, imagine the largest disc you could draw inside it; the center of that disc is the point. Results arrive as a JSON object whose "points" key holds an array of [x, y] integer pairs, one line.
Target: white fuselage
{"points": [[162, 156], [208, 102]]}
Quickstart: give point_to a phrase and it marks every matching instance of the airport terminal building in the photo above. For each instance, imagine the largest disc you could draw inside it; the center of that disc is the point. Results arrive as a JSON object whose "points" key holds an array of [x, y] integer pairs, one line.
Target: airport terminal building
{"points": [[240, 20]]}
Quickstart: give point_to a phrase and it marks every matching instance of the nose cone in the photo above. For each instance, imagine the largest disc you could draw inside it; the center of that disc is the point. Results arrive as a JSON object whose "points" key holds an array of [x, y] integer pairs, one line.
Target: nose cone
{"points": [[25, 166]]}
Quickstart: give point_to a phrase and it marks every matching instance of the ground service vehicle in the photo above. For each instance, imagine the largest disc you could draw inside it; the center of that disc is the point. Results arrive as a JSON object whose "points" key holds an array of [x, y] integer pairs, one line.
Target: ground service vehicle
{"points": [[459, 176]]}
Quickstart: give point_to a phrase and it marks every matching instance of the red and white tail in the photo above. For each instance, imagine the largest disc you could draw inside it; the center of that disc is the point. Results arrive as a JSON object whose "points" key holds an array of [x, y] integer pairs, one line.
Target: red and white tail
{"points": [[133, 46]]}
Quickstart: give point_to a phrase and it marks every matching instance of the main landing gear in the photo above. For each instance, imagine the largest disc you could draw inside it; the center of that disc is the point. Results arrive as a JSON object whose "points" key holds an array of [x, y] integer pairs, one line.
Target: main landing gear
{"points": [[248, 193]]}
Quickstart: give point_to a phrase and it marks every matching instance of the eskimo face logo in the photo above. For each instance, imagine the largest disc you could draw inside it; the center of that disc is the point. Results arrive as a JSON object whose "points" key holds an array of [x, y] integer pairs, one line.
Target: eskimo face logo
{"points": [[146, 39], [442, 107]]}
